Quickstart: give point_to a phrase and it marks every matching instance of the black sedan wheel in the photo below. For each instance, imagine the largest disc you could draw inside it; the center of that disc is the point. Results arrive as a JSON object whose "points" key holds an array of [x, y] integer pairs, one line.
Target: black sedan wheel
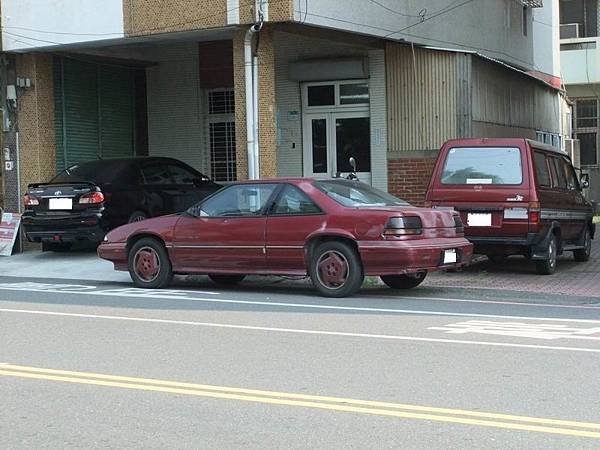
{"points": [[137, 216], [336, 270], [226, 280], [404, 281], [149, 264]]}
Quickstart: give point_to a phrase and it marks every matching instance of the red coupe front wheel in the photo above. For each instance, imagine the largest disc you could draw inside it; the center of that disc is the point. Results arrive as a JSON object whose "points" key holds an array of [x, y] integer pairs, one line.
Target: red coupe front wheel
{"points": [[149, 264]]}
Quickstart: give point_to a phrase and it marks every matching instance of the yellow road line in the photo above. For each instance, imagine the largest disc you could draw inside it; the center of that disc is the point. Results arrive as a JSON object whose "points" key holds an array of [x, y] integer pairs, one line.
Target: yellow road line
{"points": [[309, 401]]}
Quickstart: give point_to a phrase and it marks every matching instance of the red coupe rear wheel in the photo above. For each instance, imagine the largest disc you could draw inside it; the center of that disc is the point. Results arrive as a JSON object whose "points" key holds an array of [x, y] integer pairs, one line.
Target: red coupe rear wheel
{"points": [[336, 269], [332, 269]]}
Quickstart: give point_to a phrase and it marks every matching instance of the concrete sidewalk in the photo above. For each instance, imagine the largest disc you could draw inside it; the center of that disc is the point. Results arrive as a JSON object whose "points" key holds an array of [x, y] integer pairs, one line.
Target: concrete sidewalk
{"points": [[516, 274], [76, 265]]}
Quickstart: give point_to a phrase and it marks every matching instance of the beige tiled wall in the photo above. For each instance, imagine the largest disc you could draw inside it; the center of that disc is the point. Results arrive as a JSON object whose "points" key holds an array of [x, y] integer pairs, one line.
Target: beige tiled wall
{"points": [[36, 119], [266, 106]]}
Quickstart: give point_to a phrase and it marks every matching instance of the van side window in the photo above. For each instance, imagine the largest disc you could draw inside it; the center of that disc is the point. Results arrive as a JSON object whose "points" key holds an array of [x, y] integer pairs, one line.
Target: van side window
{"points": [[572, 184], [541, 170], [560, 180]]}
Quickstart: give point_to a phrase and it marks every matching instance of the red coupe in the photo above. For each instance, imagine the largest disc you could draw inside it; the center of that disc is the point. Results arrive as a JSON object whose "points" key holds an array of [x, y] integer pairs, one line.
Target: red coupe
{"points": [[336, 231]]}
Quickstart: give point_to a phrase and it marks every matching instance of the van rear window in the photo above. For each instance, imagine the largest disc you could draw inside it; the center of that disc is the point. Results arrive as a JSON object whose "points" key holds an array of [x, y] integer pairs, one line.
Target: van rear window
{"points": [[483, 165]]}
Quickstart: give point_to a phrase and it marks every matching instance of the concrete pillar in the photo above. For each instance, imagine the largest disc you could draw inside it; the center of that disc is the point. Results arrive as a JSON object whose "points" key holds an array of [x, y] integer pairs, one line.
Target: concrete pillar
{"points": [[266, 105]]}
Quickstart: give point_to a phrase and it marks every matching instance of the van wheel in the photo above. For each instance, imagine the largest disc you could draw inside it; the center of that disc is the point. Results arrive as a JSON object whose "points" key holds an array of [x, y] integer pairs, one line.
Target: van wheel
{"points": [[226, 280], [548, 266], [149, 264], [404, 281], [336, 270], [497, 259], [583, 254]]}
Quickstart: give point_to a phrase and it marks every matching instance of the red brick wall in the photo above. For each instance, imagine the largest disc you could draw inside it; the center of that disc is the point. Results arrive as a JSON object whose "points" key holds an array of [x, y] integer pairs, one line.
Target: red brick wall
{"points": [[409, 178]]}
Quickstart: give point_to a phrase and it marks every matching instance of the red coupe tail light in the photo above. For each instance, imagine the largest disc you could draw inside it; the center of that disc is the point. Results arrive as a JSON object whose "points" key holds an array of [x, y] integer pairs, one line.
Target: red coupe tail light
{"points": [[458, 224], [93, 198], [403, 226], [30, 200]]}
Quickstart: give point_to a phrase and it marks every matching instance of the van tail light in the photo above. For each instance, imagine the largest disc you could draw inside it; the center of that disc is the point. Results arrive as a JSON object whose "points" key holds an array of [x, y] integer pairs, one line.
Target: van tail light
{"points": [[534, 212], [403, 226], [91, 199], [30, 200]]}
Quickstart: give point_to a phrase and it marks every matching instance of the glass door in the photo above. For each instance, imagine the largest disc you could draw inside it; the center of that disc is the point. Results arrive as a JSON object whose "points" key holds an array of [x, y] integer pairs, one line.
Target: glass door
{"points": [[317, 145], [331, 139], [352, 140]]}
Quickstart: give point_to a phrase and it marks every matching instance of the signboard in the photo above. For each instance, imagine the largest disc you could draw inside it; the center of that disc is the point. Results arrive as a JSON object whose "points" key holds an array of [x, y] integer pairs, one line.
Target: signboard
{"points": [[9, 226]]}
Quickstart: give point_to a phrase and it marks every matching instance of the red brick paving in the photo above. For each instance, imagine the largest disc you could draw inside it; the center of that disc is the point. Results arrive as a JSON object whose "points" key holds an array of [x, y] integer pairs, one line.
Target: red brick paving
{"points": [[517, 274]]}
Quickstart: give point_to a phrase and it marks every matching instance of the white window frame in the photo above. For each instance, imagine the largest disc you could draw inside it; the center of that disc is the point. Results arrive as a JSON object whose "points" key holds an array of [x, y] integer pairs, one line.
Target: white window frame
{"points": [[337, 104]]}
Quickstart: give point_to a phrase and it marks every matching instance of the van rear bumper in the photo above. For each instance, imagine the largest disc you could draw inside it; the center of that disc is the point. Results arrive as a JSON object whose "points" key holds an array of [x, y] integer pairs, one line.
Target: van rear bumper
{"points": [[534, 245], [530, 239]]}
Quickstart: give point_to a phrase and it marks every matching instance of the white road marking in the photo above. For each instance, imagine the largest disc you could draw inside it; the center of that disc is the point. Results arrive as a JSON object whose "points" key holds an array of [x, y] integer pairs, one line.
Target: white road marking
{"points": [[301, 331], [160, 294], [526, 330], [503, 302]]}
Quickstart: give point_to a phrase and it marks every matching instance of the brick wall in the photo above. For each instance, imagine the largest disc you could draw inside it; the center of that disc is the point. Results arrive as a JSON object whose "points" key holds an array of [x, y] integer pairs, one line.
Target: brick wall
{"points": [[266, 105], [409, 178], [143, 17], [239, 85], [36, 119]]}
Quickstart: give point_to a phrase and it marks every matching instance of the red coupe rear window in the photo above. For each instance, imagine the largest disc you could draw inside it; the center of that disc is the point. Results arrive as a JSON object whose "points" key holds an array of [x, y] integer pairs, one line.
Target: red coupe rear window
{"points": [[353, 194]]}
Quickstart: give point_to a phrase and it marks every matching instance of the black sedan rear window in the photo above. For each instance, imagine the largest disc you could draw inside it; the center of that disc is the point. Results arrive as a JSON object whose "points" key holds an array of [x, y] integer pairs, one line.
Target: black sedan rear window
{"points": [[353, 194], [483, 165], [98, 172]]}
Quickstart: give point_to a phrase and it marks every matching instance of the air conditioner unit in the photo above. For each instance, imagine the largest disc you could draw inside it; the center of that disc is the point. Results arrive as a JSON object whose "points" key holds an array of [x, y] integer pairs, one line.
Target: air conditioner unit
{"points": [[572, 148], [569, 30]]}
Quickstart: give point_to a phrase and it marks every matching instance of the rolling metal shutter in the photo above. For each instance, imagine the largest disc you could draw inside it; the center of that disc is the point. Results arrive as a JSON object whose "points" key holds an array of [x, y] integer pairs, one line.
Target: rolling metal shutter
{"points": [[94, 111]]}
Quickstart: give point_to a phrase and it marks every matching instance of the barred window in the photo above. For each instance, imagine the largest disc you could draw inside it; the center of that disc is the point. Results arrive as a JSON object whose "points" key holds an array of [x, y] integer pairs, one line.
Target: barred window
{"points": [[222, 151], [221, 130], [586, 113], [221, 102]]}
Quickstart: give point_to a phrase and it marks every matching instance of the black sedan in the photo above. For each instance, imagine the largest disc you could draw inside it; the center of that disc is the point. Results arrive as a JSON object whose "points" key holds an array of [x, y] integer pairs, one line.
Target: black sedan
{"points": [[85, 201]]}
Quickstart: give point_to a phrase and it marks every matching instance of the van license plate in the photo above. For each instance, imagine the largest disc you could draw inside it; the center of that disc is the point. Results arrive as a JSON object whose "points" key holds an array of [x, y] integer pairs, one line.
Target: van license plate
{"points": [[61, 203], [479, 219], [450, 256]]}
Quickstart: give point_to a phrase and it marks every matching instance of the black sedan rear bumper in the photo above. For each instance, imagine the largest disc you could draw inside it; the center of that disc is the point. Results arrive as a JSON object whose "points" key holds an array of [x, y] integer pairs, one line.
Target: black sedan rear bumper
{"points": [[64, 229]]}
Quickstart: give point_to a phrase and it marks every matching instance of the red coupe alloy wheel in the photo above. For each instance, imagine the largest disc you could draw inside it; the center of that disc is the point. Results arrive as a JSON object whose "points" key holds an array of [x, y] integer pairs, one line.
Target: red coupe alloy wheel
{"points": [[146, 264], [332, 269]]}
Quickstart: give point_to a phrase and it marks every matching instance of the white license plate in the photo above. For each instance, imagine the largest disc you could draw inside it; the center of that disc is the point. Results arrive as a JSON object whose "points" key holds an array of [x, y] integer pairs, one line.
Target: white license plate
{"points": [[450, 256], [479, 219], [61, 203]]}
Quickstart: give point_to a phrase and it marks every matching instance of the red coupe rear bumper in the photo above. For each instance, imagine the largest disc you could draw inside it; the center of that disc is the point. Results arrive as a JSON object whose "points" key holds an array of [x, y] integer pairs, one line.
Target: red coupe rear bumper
{"points": [[414, 255]]}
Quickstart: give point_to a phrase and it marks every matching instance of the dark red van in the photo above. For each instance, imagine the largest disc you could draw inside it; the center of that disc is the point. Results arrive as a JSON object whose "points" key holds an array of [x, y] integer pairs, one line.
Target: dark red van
{"points": [[515, 196]]}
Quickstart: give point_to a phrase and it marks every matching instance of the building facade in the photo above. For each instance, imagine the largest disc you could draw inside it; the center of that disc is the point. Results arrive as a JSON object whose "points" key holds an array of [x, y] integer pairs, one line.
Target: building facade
{"points": [[296, 95], [579, 45]]}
